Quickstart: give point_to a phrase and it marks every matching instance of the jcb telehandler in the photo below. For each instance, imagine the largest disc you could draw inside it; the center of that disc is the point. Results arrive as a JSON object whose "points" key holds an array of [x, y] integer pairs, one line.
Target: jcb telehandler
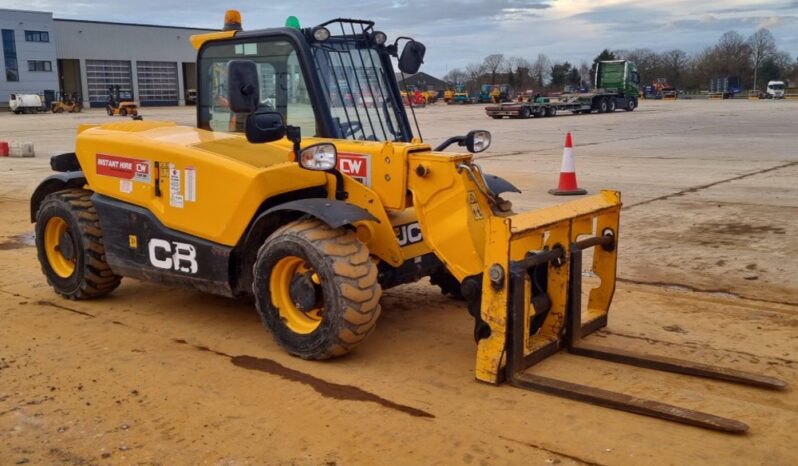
{"points": [[314, 203]]}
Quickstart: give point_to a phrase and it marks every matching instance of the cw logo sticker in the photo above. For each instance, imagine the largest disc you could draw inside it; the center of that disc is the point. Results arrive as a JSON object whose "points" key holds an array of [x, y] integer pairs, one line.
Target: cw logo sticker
{"points": [[180, 257]]}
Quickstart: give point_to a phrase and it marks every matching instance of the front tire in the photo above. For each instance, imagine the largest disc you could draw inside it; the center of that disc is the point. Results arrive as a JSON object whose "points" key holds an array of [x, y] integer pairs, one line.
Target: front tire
{"points": [[316, 289], [69, 243]]}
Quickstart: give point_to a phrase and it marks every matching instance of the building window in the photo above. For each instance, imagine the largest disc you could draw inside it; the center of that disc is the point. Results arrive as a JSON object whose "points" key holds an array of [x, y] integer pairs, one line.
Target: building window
{"points": [[40, 65], [10, 55], [37, 36]]}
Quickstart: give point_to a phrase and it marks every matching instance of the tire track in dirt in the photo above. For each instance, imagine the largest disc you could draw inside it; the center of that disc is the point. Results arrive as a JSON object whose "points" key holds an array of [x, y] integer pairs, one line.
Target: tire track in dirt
{"points": [[717, 291], [771, 360], [553, 452], [709, 185]]}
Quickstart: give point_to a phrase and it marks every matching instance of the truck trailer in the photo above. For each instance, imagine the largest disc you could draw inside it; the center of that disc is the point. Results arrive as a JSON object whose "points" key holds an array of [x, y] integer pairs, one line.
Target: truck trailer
{"points": [[616, 85]]}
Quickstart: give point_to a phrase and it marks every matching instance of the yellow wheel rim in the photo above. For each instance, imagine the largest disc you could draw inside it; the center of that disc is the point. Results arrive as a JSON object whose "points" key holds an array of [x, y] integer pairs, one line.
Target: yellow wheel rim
{"points": [[63, 267], [283, 272]]}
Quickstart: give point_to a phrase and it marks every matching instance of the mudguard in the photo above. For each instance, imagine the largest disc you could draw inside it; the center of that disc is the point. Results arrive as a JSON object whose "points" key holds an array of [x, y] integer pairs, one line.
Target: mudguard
{"points": [[51, 184], [330, 211], [67, 162], [499, 185]]}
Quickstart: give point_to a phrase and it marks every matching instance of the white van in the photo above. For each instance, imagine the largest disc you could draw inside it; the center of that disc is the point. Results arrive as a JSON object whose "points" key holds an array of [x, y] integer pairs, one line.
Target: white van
{"points": [[25, 103]]}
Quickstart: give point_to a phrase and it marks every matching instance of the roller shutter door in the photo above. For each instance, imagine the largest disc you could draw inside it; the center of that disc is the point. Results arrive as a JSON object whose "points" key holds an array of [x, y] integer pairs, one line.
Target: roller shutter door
{"points": [[157, 82], [101, 74]]}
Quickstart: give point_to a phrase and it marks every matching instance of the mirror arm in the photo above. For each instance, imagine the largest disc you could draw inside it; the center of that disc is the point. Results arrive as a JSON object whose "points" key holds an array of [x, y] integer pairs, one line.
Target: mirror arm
{"points": [[460, 140], [294, 135], [340, 193]]}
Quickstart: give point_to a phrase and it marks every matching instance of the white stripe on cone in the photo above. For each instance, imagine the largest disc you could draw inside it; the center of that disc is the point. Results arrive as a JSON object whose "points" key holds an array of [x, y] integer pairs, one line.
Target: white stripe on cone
{"points": [[568, 165]]}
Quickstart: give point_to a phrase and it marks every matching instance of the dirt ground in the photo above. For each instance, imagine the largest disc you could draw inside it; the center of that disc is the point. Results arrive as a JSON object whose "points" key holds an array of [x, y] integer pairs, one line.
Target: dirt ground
{"points": [[155, 375]]}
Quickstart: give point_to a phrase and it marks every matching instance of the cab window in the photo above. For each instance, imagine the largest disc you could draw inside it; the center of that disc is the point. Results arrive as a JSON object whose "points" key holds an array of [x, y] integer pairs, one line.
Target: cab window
{"points": [[283, 86]]}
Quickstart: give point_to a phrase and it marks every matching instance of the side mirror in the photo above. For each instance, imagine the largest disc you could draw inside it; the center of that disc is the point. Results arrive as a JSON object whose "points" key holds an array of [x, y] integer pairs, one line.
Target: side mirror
{"points": [[265, 127], [412, 57], [243, 91], [477, 140]]}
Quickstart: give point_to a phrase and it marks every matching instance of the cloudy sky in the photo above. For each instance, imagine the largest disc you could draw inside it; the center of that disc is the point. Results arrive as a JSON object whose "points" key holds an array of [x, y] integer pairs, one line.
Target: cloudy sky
{"points": [[459, 32]]}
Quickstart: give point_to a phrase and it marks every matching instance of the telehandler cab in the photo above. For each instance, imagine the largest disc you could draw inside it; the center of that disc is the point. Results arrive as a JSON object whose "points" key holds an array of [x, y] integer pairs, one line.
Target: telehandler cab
{"points": [[304, 186]]}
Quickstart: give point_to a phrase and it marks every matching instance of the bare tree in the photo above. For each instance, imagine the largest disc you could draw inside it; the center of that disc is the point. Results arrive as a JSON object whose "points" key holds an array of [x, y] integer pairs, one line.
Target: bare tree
{"points": [[493, 63], [584, 74], [474, 71], [763, 46], [540, 70], [456, 76], [732, 54], [673, 64], [517, 70]]}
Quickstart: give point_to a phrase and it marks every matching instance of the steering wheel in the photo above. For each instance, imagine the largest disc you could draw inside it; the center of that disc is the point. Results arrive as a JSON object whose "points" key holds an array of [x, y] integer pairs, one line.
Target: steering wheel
{"points": [[350, 128]]}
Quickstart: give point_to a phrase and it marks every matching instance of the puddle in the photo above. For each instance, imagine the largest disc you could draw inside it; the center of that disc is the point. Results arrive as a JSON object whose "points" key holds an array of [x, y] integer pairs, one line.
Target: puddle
{"points": [[18, 242], [324, 388]]}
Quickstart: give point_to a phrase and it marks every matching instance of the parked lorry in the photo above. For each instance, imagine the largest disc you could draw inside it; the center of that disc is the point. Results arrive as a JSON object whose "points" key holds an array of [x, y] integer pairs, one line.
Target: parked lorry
{"points": [[774, 90], [25, 103], [616, 85]]}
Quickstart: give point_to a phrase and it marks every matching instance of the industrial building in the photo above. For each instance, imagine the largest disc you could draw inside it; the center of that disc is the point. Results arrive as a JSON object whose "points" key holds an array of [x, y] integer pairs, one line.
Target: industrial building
{"points": [[42, 53]]}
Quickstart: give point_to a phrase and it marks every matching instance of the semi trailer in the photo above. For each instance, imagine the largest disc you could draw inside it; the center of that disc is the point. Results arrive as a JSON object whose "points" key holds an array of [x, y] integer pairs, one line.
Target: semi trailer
{"points": [[616, 85]]}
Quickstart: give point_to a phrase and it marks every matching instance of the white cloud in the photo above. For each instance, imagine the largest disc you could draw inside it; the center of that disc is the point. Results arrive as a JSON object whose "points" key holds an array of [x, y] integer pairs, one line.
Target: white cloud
{"points": [[458, 32]]}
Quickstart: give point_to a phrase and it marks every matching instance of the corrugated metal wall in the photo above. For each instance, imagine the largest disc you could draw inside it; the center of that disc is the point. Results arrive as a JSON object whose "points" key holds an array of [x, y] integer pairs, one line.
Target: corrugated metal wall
{"points": [[113, 41]]}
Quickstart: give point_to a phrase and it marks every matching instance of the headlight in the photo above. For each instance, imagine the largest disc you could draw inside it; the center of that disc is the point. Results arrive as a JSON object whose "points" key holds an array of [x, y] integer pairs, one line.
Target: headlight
{"points": [[477, 140], [380, 38], [321, 156], [321, 34]]}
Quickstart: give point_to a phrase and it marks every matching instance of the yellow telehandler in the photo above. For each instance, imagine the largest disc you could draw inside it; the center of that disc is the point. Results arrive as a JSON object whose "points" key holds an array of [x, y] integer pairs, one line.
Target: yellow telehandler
{"points": [[296, 190]]}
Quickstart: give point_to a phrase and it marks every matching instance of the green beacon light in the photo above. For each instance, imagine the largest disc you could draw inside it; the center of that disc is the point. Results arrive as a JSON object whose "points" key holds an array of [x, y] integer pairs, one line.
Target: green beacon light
{"points": [[292, 22]]}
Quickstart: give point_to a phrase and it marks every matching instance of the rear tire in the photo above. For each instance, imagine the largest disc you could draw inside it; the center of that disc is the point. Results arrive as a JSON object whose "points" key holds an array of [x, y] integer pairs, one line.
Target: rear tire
{"points": [[524, 112], [110, 111], [602, 105], [69, 242], [316, 289], [551, 111], [611, 105]]}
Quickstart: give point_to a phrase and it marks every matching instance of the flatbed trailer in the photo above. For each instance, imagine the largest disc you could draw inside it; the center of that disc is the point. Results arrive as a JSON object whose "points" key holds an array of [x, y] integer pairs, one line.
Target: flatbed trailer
{"points": [[599, 101]]}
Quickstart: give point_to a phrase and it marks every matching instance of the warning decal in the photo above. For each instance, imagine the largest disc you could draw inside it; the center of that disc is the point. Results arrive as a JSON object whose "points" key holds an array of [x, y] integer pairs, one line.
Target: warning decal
{"points": [[358, 166], [123, 167], [175, 193], [191, 184]]}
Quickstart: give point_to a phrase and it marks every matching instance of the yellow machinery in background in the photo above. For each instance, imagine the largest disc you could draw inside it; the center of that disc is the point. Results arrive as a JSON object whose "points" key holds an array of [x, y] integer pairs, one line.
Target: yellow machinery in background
{"points": [[67, 102], [297, 190]]}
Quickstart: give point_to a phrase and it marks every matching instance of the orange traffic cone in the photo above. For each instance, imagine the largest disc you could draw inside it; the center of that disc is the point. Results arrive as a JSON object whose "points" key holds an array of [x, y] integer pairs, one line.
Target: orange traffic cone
{"points": [[567, 184]]}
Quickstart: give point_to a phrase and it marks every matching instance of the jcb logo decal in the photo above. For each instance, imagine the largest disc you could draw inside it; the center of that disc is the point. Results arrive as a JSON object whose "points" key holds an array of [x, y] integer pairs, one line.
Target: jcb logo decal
{"points": [[180, 257], [408, 234]]}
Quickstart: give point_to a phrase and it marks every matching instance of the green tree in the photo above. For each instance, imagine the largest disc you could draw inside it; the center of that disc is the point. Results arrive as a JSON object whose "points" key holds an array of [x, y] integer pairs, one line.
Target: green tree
{"points": [[559, 74]]}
